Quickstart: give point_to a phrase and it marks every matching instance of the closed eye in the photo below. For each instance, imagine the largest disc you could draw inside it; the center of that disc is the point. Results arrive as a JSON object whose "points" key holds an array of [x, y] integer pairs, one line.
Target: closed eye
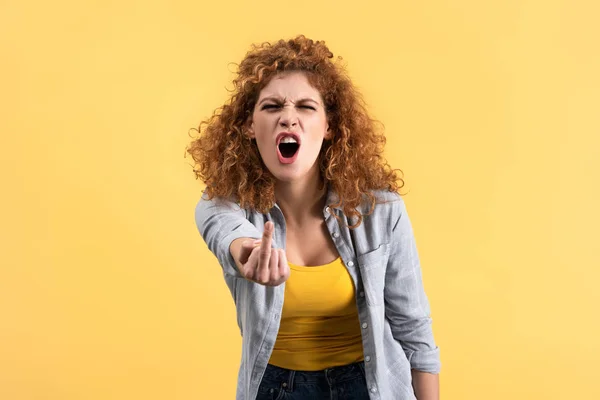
{"points": [[270, 106], [276, 106]]}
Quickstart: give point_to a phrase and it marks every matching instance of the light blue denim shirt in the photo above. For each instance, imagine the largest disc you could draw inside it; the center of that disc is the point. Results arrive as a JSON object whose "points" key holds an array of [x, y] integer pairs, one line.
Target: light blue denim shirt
{"points": [[381, 257]]}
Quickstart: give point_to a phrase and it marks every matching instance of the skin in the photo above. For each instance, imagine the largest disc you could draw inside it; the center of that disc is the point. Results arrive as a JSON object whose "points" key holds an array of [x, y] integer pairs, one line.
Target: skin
{"points": [[290, 104], [425, 385]]}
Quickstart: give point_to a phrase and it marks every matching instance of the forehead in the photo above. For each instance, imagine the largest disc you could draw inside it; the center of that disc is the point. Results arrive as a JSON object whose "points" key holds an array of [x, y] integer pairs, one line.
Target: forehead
{"points": [[290, 85]]}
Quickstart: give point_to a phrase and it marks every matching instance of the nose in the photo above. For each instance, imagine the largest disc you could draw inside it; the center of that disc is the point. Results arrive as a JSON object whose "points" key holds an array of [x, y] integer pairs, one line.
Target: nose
{"points": [[288, 118]]}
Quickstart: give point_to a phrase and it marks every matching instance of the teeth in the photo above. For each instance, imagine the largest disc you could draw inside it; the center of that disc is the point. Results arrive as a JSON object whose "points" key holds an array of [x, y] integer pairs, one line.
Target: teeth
{"points": [[288, 139]]}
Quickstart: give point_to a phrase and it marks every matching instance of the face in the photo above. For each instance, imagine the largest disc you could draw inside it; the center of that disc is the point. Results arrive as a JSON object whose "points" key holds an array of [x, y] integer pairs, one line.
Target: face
{"points": [[289, 110]]}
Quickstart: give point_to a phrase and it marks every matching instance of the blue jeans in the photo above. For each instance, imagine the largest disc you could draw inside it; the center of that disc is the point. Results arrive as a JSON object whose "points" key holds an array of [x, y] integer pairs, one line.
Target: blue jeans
{"points": [[338, 383]]}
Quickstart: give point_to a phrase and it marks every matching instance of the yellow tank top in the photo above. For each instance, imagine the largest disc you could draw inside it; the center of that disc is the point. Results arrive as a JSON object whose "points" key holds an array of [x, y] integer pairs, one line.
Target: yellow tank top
{"points": [[319, 323]]}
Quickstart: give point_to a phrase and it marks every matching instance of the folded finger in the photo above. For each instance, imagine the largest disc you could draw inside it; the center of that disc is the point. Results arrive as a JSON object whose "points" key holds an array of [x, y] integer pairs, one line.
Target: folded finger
{"points": [[274, 266], [283, 266]]}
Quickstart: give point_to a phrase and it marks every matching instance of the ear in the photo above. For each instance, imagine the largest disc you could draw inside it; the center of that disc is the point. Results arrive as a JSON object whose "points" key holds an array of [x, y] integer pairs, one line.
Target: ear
{"points": [[250, 128], [328, 133]]}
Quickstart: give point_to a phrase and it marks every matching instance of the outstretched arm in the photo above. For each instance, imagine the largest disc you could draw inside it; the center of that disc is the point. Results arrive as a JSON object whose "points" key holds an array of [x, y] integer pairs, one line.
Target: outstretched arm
{"points": [[242, 250], [221, 223]]}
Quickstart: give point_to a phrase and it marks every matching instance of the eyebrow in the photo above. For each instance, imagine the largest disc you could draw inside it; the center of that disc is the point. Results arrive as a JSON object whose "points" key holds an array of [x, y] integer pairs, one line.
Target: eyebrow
{"points": [[279, 99]]}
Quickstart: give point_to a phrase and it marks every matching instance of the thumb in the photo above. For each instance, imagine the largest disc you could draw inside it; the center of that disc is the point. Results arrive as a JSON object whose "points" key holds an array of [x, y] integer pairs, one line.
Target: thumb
{"points": [[246, 250]]}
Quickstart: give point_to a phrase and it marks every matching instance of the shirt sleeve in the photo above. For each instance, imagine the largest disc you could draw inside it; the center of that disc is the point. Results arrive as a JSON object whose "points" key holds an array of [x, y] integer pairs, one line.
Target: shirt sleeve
{"points": [[220, 222], [406, 304]]}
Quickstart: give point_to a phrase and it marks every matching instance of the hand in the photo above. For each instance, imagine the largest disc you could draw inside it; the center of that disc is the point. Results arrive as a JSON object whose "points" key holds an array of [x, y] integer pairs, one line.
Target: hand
{"points": [[262, 264]]}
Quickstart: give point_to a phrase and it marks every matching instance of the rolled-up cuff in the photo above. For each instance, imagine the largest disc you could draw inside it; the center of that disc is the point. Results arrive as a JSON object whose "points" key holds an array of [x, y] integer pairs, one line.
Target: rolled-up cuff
{"points": [[425, 360]]}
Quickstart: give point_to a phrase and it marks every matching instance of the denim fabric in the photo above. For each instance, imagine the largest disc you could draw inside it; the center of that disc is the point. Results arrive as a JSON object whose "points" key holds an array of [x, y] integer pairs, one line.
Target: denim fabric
{"points": [[337, 383], [381, 257]]}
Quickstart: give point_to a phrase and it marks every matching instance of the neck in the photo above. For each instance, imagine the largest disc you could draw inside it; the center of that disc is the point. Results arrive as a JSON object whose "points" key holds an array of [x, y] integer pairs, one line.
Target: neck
{"points": [[301, 201]]}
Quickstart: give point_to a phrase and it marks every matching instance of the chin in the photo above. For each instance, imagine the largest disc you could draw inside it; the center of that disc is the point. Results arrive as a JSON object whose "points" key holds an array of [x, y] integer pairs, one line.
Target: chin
{"points": [[287, 174], [291, 172]]}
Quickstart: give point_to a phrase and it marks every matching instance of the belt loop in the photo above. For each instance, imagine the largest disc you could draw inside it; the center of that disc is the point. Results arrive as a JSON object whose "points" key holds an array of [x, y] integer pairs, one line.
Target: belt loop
{"points": [[328, 375], [290, 382]]}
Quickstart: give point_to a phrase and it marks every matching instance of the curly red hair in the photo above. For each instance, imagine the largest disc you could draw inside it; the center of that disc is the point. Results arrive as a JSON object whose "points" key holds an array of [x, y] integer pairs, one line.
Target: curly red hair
{"points": [[229, 162]]}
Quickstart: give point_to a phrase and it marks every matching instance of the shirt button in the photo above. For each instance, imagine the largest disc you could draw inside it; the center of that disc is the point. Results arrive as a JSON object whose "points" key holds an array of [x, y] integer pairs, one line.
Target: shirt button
{"points": [[362, 294], [373, 389], [284, 384], [364, 325], [336, 235], [367, 358], [350, 263]]}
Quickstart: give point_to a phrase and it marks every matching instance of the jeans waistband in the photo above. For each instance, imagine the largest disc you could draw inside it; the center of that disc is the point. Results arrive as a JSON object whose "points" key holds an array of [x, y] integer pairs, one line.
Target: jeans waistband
{"points": [[332, 375]]}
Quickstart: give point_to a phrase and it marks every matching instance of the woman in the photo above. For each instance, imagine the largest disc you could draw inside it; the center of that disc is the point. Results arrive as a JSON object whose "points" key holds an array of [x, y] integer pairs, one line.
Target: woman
{"points": [[303, 214]]}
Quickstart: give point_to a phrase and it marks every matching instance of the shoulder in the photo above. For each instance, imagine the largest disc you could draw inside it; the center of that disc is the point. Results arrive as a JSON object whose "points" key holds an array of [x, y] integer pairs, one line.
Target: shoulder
{"points": [[387, 203], [389, 206], [386, 196]]}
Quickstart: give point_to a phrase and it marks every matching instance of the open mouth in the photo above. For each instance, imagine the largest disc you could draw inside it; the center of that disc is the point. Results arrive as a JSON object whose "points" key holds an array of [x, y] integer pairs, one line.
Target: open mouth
{"points": [[288, 147], [288, 150]]}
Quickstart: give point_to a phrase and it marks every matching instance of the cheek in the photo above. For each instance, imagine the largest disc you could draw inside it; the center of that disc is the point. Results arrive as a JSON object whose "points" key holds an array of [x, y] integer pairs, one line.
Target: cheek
{"points": [[263, 126], [317, 127]]}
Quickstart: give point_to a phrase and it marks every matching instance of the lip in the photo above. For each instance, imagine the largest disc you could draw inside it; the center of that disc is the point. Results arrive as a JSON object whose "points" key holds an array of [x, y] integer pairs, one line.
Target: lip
{"points": [[282, 135]]}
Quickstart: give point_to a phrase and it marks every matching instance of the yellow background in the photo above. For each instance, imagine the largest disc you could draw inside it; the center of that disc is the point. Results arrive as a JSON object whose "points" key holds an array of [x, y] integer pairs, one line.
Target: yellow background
{"points": [[491, 109]]}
